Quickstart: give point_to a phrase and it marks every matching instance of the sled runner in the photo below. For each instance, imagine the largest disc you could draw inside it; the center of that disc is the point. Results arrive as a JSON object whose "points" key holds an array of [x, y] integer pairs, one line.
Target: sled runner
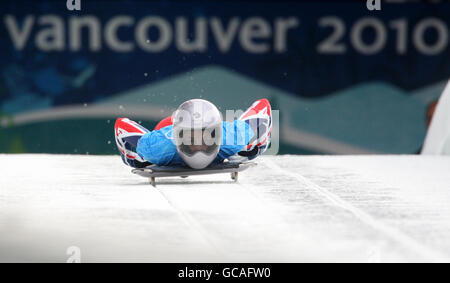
{"points": [[154, 171]]}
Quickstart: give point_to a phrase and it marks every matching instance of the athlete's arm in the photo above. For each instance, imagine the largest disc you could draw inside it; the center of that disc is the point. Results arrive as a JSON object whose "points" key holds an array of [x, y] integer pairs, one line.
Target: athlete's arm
{"points": [[235, 137], [158, 147]]}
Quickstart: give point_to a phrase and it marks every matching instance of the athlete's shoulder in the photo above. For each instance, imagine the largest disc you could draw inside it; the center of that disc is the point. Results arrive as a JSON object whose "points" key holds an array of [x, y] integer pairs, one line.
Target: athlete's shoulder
{"points": [[237, 133], [157, 146], [235, 137]]}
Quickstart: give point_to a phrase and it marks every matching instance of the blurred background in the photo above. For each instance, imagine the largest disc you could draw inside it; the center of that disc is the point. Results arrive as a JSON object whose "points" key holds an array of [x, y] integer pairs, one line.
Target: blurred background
{"points": [[345, 79]]}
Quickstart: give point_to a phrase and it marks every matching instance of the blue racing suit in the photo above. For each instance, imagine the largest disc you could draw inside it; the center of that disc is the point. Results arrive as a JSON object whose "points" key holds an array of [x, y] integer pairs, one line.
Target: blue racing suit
{"points": [[158, 147]]}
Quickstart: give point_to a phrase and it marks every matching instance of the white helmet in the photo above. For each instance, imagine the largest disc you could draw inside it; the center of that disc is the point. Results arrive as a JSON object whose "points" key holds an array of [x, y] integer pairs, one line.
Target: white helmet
{"points": [[197, 128]]}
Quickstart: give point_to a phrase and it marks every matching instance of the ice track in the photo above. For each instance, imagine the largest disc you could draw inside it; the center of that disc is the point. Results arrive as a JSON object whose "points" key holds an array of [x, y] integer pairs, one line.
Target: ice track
{"points": [[287, 209]]}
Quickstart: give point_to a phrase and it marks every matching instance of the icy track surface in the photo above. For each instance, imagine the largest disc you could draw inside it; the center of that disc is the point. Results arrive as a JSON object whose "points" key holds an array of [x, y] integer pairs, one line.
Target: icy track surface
{"points": [[287, 209]]}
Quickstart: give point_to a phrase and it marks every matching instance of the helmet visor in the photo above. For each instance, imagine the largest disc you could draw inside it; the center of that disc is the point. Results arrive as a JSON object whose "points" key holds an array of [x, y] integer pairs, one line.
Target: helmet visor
{"points": [[202, 140]]}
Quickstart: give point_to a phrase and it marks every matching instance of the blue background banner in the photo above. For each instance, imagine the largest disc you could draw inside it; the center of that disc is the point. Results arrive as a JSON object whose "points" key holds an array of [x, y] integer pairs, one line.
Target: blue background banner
{"points": [[345, 79]]}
